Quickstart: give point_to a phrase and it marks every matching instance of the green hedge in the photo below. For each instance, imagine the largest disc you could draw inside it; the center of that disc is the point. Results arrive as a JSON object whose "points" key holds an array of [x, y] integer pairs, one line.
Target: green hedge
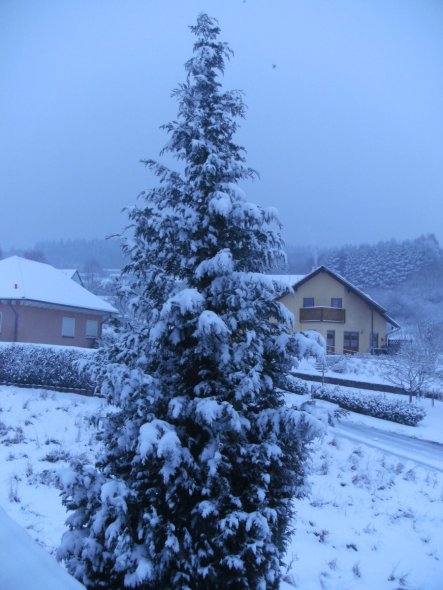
{"points": [[378, 406], [43, 365]]}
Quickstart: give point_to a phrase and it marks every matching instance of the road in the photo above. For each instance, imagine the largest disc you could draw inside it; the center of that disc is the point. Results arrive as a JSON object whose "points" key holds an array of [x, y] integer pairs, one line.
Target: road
{"points": [[422, 452]]}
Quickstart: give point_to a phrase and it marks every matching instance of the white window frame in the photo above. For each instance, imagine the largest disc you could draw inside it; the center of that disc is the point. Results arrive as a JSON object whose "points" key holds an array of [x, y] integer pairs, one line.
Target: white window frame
{"points": [[91, 333], [68, 327]]}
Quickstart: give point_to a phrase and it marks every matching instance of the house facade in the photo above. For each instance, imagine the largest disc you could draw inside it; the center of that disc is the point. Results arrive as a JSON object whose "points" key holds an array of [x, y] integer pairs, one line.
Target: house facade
{"points": [[41, 304], [349, 320]]}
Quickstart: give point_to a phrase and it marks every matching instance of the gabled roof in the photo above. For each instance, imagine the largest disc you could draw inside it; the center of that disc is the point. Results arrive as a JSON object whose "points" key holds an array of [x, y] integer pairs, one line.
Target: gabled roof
{"points": [[373, 304], [35, 281]]}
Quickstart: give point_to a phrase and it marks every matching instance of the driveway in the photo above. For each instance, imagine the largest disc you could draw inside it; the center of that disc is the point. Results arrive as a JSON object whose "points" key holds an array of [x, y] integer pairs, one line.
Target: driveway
{"points": [[422, 452]]}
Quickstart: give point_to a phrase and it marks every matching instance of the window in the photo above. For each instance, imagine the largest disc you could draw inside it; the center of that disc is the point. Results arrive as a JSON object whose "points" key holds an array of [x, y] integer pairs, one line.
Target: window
{"points": [[336, 302], [350, 342], [308, 302], [330, 341], [91, 328], [68, 327]]}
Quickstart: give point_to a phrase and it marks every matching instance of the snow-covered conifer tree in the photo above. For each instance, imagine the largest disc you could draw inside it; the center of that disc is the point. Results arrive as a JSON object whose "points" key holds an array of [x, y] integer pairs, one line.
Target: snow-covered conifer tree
{"points": [[202, 460]]}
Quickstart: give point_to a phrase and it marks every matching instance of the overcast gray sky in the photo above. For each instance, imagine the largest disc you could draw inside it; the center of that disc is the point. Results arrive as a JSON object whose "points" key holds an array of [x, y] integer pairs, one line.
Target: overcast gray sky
{"points": [[344, 120]]}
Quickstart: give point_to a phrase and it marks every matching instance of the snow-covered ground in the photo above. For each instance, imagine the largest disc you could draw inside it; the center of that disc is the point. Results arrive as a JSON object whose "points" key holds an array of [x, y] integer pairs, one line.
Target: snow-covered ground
{"points": [[371, 521], [27, 566], [362, 367]]}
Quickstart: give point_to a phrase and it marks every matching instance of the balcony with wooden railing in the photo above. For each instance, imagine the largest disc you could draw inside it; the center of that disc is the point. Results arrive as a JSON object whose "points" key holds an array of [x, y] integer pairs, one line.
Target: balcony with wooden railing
{"points": [[323, 314]]}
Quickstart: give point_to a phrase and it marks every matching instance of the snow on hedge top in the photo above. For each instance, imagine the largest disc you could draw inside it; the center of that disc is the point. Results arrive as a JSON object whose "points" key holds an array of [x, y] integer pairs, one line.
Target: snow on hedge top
{"points": [[26, 279]]}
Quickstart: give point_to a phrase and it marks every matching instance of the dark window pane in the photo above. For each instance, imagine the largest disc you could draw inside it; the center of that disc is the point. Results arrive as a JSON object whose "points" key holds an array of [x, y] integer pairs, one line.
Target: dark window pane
{"points": [[350, 342], [330, 341], [336, 302], [308, 302]]}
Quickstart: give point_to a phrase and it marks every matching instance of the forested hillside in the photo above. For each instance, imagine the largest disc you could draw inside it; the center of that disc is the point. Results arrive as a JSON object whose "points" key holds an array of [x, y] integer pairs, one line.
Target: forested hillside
{"points": [[386, 264]]}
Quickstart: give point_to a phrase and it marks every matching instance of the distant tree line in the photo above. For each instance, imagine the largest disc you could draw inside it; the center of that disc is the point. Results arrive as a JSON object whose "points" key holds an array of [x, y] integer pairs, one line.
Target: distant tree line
{"points": [[80, 254], [383, 265], [404, 276]]}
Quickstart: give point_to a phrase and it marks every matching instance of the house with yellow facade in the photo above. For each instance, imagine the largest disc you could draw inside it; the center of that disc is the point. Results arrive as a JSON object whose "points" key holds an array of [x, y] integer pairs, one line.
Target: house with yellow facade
{"points": [[348, 319]]}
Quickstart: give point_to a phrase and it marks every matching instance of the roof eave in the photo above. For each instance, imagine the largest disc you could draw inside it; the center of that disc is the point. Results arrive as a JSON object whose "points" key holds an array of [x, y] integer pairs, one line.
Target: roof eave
{"points": [[65, 305]]}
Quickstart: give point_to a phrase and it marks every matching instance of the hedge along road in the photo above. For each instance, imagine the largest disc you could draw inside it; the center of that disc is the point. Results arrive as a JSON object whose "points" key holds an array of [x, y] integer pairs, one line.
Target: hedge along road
{"points": [[422, 452]]}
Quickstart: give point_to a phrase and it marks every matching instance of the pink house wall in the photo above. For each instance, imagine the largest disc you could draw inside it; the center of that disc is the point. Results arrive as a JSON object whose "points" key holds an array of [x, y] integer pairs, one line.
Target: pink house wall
{"points": [[43, 325]]}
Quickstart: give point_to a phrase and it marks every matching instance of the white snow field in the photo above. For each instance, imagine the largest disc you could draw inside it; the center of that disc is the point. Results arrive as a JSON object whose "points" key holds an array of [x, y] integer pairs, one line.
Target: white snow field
{"points": [[372, 520], [25, 565]]}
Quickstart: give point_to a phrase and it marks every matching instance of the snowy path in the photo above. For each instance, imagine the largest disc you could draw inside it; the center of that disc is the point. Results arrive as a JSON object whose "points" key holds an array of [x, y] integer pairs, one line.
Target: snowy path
{"points": [[425, 453]]}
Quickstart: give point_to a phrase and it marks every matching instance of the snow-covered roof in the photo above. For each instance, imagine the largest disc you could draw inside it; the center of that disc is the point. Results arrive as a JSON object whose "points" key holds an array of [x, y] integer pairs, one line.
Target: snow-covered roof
{"points": [[35, 281], [73, 274], [69, 272]]}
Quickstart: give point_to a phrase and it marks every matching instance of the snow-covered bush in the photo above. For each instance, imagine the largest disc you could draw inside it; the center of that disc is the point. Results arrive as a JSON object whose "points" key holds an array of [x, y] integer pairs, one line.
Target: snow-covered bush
{"points": [[294, 385], [338, 364], [324, 411], [378, 406], [202, 459], [39, 364]]}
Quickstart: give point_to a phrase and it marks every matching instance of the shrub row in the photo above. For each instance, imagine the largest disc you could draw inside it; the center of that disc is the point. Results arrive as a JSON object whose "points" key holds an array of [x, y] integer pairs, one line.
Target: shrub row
{"points": [[294, 385], [378, 406], [49, 366]]}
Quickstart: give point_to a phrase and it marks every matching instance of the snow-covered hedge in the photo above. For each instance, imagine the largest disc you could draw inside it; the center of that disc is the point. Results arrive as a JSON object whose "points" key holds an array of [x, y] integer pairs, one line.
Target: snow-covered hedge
{"points": [[50, 366], [378, 406], [294, 385]]}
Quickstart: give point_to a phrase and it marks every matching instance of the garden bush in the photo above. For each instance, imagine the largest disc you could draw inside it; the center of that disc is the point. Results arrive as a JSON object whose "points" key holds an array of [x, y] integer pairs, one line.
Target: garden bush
{"points": [[376, 405], [43, 365], [294, 385]]}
